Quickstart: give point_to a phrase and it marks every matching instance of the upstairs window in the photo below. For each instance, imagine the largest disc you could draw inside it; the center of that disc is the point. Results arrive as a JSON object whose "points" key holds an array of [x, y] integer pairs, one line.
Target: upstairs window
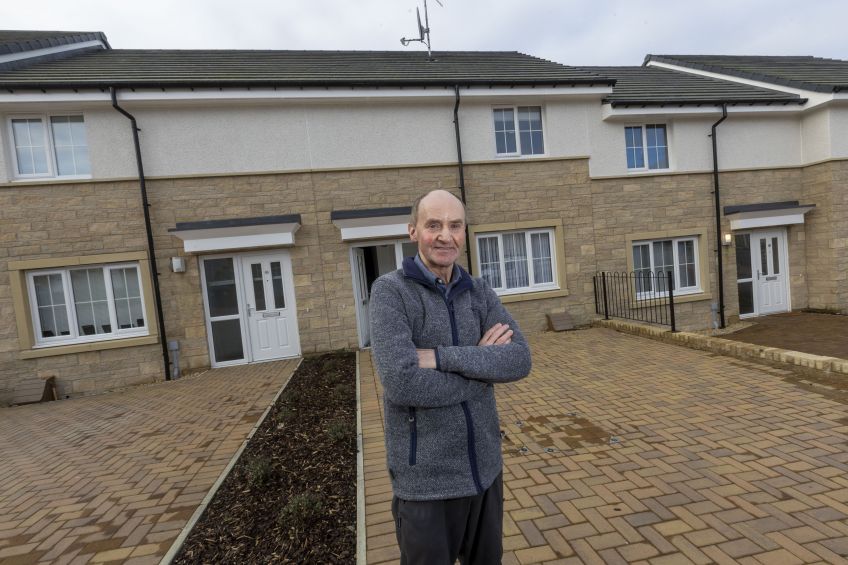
{"points": [[50, 146], [646, 146], [527, 139]]}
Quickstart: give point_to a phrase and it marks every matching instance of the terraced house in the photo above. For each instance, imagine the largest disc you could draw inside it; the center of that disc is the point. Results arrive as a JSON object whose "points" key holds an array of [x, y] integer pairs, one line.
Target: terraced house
{"points": [[238, 204]]}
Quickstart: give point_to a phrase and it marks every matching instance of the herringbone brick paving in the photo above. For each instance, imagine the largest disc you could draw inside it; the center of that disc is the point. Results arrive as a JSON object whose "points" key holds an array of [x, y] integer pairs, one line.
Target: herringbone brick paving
{"points": [[116, 477], [620, 449]]}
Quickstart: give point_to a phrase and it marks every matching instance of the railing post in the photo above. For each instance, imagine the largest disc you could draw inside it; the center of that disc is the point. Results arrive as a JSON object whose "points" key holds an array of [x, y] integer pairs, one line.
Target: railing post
{"points": [[604, 286], [595, 293], [670, 284]]}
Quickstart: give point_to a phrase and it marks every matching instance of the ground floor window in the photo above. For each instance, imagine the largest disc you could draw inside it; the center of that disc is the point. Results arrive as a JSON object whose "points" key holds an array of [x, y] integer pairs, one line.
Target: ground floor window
{"points": [[518, 261], [90, 303], [652, 259]]}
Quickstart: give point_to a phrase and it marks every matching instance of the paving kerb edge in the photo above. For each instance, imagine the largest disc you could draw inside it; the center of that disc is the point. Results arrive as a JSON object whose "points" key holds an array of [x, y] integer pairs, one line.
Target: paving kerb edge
{"points": [[796, 361], [361, 538], [178, 543]]}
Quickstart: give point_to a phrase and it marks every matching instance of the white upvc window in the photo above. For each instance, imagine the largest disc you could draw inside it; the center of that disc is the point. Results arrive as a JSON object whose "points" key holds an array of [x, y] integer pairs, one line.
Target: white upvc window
{"points": [[525, 139], [657, 257], [518, 261], [49, 146], [84, 304], [646, 147]]}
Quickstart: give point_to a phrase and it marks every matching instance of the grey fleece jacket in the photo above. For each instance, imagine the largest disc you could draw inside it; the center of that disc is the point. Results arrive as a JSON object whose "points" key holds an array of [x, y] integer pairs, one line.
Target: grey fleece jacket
{"points": [[441, 425]]}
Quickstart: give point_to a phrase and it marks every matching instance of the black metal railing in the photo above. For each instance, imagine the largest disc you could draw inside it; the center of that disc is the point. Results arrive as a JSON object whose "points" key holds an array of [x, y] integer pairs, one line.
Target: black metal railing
{"points": [[642, 296]]}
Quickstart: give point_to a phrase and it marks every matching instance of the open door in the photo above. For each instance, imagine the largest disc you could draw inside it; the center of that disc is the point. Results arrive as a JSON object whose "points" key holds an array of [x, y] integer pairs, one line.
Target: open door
{"points": [[362, 293]]}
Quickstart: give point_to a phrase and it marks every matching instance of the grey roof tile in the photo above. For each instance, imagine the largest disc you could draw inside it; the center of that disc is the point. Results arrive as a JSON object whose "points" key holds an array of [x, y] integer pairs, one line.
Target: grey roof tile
{"points": [[805, 72], [221, 68], [658, 86]]}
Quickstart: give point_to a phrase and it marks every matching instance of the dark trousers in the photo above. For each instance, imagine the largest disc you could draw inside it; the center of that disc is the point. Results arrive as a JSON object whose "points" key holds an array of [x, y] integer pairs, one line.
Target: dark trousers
{"points": [[438, 532]]}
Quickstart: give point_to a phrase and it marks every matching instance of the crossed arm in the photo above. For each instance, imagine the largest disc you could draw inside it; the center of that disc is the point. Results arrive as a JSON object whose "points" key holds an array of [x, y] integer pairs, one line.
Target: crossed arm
{"points": [[448, 375], [499, 334]]}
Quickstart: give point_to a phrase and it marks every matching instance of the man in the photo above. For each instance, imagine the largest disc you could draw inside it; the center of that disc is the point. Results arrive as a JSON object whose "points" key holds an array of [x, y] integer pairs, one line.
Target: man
{"points": [[440, 339]]}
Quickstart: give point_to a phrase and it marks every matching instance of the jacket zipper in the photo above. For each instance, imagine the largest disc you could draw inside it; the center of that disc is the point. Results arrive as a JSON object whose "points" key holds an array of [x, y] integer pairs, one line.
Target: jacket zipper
{"points": [[469, 421], [413, 437]]}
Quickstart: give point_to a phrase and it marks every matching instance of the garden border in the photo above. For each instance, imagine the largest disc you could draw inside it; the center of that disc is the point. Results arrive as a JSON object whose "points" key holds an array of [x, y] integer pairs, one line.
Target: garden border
{"points": [[198, 513]]}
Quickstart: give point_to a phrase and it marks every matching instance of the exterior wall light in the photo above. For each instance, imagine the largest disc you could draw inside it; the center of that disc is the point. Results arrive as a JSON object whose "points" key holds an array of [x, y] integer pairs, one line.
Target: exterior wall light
{"points": [[728, 240], [178, 264]]}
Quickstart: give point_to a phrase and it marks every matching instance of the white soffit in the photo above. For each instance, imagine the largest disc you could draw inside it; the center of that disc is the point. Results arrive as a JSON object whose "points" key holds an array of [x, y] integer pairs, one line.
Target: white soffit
{"points": [[612, 114], [373, 228], [768, 218], [237, 237], [298, 94]]}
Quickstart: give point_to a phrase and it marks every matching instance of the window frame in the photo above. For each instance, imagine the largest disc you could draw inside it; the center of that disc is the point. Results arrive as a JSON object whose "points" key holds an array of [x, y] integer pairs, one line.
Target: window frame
{"points": [[644, 128], [514, 109], [528, 233], [698, 288], [74, 337], [49, 146]]}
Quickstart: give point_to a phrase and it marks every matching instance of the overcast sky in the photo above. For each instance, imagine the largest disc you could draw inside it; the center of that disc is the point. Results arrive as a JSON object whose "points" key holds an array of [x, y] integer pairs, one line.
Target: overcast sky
{"points": [[574, 32]]}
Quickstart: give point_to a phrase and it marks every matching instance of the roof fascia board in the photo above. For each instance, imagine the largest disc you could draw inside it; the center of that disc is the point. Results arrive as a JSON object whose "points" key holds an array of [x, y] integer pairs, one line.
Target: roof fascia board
{"points": [[44, 52], [612, 114], [260, 94], [813, 98]]}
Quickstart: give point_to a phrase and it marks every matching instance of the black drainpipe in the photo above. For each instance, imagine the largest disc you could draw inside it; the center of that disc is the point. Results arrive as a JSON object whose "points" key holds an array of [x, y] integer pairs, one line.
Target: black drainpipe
{"points": [[461, 175], [719, 250], [145, 204]]}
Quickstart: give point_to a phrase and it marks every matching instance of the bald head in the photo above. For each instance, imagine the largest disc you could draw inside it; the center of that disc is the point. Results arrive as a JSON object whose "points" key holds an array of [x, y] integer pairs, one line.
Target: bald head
{"points": [[438, 197]]}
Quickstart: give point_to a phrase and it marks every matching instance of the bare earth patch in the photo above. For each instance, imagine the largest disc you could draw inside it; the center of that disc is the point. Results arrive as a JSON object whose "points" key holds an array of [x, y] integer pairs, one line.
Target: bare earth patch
{"points": [[291, 497]]}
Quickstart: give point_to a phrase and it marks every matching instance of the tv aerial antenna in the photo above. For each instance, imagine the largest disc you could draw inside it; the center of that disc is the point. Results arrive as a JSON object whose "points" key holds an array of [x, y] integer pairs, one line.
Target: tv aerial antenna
{"points": [[423, 30]]}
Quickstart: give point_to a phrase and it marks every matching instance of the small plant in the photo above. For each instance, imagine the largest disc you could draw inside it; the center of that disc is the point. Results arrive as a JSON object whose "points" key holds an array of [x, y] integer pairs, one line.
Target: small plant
{"points": [[340, 431], [302, 510], [340, 392], [284, 414], [260, 472]]}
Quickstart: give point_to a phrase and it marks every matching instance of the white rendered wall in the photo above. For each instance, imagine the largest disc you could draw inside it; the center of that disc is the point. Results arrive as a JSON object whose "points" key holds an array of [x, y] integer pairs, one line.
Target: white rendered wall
{"points": [[815, 135], [564, 126], [839, 132], [110, 142], [190, 138], [211, 138], [743, 142]]}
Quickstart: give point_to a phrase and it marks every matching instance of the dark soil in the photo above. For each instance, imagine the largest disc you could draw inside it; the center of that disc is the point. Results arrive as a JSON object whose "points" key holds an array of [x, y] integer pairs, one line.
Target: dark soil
{"points": [[819, 334], [291, 497]]}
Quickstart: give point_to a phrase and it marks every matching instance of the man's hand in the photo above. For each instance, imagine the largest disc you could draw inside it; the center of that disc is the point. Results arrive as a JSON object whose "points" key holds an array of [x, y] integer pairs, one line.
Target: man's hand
{"points": [[426, 358], [499, 334]]}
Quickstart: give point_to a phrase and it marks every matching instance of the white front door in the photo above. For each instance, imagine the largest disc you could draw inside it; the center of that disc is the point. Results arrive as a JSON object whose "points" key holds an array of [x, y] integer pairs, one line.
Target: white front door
{"points": [[269, 304], [250, 307], [769, 257]]}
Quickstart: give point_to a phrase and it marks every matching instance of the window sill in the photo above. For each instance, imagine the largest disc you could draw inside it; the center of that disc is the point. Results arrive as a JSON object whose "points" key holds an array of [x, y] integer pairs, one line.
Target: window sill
{"points": [[86, 347], [637, 172], [678, 299], [519, 157], [50, 178], [533, 295]]}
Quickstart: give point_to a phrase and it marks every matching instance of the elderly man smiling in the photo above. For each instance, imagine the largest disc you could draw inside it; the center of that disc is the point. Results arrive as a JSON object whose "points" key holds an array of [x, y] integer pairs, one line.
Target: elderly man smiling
{"points": [[440, 340]]}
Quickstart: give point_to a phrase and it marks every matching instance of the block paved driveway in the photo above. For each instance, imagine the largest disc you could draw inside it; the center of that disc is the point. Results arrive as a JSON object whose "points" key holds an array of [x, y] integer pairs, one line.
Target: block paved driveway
{"points": [[116, 477], [622, 449]]}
